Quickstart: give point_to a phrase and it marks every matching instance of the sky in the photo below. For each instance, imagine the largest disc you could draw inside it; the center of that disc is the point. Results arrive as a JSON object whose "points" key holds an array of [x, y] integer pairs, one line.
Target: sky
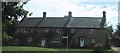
{"points": [[79, 8]]}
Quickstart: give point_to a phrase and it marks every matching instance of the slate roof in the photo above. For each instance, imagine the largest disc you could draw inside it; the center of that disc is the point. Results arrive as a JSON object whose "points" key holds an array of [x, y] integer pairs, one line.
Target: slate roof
{"points": [[79, 22], [85, 22], [53, 22], [30, 22]]}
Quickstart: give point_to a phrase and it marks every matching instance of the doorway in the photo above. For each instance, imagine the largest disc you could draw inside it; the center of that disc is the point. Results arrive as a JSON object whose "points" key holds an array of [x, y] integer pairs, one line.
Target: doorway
{"points": [[82, 41], [43, 42]]}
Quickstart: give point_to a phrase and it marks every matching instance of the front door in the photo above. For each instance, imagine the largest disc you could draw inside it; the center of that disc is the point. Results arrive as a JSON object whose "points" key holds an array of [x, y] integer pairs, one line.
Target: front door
{"points": [[43, 42], [64, 41], [81, 42]]}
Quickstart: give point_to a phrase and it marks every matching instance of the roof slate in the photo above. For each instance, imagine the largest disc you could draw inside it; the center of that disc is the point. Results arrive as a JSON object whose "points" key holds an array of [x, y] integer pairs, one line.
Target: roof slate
{"points": [[30, 22], [80, 22], [53, 22], [85, 22]]}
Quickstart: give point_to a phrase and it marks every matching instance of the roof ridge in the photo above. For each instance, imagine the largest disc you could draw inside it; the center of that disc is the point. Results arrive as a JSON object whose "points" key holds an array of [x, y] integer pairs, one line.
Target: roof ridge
{"points": [[33, 18], [86, 17], [62, 22]]}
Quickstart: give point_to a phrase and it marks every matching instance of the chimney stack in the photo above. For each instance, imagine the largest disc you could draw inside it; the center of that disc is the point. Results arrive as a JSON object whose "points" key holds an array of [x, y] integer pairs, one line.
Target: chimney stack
{"points": [[69, 14], [104, 14], [103, 22], [44, 14]]}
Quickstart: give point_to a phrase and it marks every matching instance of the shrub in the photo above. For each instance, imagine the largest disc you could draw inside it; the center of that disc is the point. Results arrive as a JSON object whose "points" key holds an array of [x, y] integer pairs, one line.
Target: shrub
{"points": [[6, 39], [98, 48]]}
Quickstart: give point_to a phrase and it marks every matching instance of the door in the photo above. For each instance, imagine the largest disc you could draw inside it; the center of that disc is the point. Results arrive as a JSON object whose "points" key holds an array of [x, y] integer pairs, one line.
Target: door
{"points": [[43, 42], [82, 42], [64, 41]]}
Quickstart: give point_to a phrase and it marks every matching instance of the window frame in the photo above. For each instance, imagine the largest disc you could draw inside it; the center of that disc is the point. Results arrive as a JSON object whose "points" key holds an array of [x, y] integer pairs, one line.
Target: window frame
{"points": [[29, 39], [58, 30], [92, 31], [92, 41], [24, 30], [72, 30], [56, 40]]}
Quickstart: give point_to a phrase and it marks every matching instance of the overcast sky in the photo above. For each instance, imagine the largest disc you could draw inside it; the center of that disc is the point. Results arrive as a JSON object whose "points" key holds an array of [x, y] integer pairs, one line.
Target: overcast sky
{"points": [[79, 8]]}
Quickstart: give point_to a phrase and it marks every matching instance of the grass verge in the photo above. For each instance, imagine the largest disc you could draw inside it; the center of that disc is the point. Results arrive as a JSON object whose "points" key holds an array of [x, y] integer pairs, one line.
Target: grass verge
{"points": [[28, 49]]}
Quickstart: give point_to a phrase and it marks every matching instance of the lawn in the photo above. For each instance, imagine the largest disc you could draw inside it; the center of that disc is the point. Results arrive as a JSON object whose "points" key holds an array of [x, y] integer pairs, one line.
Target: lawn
{"points": [[28, 49]]}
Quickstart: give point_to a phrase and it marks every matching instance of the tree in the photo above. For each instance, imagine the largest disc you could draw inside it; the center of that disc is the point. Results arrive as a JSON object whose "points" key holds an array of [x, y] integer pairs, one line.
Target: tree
{"points": [[109, 36], [11, 12], [116, 37], [117, 33], [109, 30], [118, 29]]}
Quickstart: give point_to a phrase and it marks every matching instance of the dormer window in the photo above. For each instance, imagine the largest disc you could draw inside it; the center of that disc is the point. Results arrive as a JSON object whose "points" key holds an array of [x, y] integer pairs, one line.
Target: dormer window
{"points": [[24, 30], [72, 30], [58, 30], [46, 30]]}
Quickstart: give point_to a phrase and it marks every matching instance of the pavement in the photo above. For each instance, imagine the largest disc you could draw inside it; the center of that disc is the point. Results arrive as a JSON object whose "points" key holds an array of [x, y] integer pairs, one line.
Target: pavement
{"points": [[116, 49]]}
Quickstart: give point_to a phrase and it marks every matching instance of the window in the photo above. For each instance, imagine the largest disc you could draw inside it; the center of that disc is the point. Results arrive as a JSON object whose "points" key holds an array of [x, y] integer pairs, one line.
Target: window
{"points": [[72, 30], [24, 30], [58, 30], [46, 30], [29, 39], [92, 31], [56, 40], [31, 31], [92, 41], [85, 29]]}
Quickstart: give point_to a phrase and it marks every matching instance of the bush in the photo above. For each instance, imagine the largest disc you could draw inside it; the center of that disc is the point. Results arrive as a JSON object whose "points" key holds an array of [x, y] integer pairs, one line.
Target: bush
{"points": [[6, 39], [98, 48]]}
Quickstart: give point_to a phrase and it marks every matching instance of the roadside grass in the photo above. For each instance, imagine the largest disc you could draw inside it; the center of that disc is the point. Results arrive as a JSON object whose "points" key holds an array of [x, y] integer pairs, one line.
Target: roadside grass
{"points": [[28, 49], [25, 48]]}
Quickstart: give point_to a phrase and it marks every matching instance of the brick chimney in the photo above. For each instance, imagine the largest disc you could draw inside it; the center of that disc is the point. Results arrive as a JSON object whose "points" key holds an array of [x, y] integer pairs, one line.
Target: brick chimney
{"points": [[103, 20], [69, 14], [44, 14], [104, 14]]}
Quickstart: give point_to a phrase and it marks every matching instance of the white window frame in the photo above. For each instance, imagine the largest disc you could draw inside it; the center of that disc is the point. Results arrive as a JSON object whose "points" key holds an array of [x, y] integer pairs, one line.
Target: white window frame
{"points": [[29, 39], [56, 40], [72, 30], [92, 31], [31, 30], [58, 30], [92, 41], [24, 30]]}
